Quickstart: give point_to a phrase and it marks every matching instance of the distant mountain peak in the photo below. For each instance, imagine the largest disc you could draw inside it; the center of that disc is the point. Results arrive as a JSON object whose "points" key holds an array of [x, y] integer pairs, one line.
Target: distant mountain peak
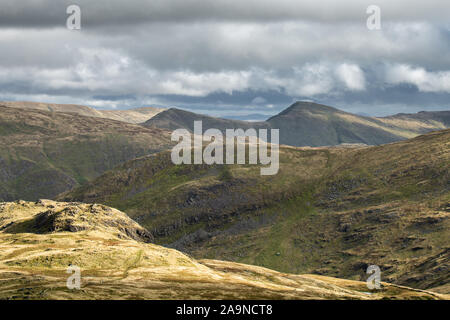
{"points": [[175, 109], [307, 123], [301, 106]]}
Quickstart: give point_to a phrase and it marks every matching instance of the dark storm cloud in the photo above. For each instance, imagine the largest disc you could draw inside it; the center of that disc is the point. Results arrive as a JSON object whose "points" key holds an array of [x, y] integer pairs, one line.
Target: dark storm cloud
{"points": [[45, 13]]}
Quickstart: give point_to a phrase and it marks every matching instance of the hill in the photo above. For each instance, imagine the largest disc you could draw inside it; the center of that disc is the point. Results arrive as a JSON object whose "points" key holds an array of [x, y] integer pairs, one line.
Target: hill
{"points": [[312, 124], [40, 240], [423, 119], [329, 211], [44, 153], [136, 115], [174, 118]]}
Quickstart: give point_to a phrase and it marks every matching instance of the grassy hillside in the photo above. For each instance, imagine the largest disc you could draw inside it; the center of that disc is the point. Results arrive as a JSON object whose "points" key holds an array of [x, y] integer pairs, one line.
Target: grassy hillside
{"points": [[329, 211], [38, 241], [44, 153], [312, 124], [136, 115]]}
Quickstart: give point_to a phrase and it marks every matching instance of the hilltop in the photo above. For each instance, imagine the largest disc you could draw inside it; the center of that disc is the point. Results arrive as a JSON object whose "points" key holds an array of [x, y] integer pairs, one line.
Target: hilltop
{"points": [[329, 211], [39, 240], [312, 124], [174, 118], [45, 153], [135, 115]]}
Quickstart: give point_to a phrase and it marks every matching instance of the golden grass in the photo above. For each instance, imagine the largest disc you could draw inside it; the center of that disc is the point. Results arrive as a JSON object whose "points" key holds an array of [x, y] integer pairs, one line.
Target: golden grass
{"points": [[33, 266]]}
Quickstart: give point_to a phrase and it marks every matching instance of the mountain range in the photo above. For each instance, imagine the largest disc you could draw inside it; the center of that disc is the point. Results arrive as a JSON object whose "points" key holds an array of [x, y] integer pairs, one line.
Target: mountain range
{"points": [[336, 206], [312, 124], [301, 124]]}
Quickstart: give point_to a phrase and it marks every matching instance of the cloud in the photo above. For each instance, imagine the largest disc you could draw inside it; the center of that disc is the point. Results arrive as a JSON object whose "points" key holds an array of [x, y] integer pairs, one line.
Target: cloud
{"points": [[48, 13], [310, 80], [222, 54], [237, 46], [103, 71], [425, 81], [352, 76], [259, 100]]}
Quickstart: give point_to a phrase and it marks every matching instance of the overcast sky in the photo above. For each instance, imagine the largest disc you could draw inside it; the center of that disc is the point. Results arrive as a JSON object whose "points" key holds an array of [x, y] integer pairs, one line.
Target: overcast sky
{"points": [[227, 57]]}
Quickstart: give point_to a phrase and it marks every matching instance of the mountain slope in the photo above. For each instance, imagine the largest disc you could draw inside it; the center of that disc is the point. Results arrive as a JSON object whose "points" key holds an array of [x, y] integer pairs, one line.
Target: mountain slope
{"points": [[137, 115], [330, 211], [173, 119], [312, 124], [44, 153], [422, 121], [38, 241]]}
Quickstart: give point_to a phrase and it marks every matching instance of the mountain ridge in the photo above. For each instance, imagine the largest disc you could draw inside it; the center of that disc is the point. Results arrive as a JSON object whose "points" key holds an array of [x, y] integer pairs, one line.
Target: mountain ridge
{"points": [[312, 124], [174, 118], [306, 106], [134, 115]]}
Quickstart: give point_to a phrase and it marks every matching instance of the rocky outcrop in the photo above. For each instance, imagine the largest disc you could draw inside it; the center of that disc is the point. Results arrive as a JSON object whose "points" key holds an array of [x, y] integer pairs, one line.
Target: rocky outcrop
{"points": [[46, 216]]}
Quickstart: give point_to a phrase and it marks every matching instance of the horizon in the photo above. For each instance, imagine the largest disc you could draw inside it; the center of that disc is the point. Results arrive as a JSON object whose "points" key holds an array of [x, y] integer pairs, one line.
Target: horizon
{"points": [[248, 117]]}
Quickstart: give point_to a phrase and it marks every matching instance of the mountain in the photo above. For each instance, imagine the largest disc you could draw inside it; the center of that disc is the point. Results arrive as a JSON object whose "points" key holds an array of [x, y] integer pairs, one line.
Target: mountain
{"points": [[41, 242], [136, 115], [312, 124], [174, 118], [330, 210], [427, 119], [44, 153]]}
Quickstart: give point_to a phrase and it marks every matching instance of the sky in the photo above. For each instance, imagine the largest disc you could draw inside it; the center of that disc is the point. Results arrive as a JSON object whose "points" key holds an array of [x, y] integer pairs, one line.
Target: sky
{"points": [[227, 57]]}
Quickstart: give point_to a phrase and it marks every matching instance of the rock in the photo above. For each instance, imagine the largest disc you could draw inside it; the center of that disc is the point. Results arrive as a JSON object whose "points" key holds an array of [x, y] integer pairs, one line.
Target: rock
{"points": [[345, 227]]}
